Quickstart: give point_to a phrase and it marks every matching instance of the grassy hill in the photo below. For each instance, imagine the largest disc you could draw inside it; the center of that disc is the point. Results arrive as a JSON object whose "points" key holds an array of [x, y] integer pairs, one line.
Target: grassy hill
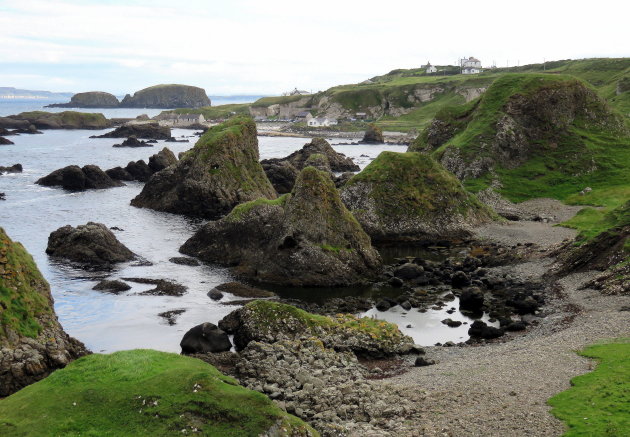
{"points": [[141, 393]]}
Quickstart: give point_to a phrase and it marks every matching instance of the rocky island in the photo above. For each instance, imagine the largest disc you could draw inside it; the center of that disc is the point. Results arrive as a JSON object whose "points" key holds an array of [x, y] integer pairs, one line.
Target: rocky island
{"points": [[90, 99]]}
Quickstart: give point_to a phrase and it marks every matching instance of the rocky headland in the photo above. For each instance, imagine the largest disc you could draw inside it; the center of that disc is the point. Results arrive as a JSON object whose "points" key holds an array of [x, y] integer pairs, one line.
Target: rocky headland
{"points": [[90, 99], [167, 96]]}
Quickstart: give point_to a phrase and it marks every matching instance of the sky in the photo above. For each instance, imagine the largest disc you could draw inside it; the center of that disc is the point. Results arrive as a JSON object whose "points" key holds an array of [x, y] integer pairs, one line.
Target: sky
{"points": [[269, 47]]}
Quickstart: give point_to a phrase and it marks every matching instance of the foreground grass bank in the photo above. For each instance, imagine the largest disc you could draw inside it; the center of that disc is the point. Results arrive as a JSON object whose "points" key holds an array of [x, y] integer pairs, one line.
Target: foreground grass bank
{"points": [[142, 393], [598, 403]]}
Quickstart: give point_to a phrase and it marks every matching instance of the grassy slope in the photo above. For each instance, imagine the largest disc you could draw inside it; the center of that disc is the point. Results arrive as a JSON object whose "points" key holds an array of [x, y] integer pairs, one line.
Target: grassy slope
{"points": [[24, 293], [598, 403], [140, 393], [215, 112]]}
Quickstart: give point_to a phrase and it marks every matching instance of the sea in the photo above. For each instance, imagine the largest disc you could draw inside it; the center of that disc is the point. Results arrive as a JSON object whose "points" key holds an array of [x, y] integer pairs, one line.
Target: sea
{"points": [[107, 322]]}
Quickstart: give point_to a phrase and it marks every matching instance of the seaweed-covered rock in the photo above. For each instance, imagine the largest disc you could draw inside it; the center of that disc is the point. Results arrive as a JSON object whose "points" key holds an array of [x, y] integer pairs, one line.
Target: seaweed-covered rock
{"points": [[151, 131], [269, 322], [221, 171], [132, 141], [75, 178], [373, 135], [90, 99], [57, 120], [91, 244], [162, 159], [306, 238], [409, 196], [167, 96], [32, 342]]}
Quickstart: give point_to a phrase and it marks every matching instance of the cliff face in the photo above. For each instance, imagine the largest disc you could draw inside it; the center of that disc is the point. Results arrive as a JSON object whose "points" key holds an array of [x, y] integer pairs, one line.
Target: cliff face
{"points": [[221, 171], [410, 197], [91, 99], [306, 238], [167, 96], [32, 342]]}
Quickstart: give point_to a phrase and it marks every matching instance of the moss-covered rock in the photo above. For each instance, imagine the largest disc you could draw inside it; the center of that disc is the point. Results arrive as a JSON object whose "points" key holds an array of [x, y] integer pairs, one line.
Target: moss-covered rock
{"points": [[373, 135], [143, 392], [221, 171], [90, 99], [32, 342], [306, 238], [269, 322], [167, 96], [409, 196], [60, 120], [537, 135]]}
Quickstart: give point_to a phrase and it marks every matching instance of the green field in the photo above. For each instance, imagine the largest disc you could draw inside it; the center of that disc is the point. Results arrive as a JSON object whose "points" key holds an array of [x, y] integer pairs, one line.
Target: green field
{"points": [[598, 403]]}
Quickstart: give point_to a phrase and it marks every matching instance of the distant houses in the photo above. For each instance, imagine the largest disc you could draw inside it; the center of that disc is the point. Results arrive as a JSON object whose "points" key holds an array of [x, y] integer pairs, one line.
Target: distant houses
{"points": [[322, 122], [429, 68], [470, 65], [297, 92], [172, 119]]}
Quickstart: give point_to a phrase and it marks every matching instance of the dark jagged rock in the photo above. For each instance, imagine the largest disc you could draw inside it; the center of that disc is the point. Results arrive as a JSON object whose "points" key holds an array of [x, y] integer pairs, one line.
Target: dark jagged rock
{"points": [[205, 338], [112, 286], [90, 99], [90, 244], [281, 174], [15, 168], [242, 290], [55, 120], [215, 294], [221, 171], [306, 238], [119, 174], [184, 261], [167, 96], [410, 197], [74, 178], [471, 299], [373, 135], [479, 329], [139, 170], [143, 130], [162, 159], [172, 315], [132, 141], [163, 287], [5, 142], [32, 342]]}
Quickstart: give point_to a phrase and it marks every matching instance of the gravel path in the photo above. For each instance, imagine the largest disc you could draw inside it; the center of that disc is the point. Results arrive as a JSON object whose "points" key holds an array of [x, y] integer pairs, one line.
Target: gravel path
{"points": [[501, 389]]}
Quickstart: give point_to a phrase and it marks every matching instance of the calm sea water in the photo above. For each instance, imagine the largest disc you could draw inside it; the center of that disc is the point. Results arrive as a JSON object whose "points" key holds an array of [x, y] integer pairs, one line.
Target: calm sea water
{"points": [[107, 322]]}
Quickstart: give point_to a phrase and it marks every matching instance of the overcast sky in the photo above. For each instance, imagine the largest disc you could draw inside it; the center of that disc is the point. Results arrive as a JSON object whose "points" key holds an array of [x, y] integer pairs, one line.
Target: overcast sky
{"points": [[267, 47]]}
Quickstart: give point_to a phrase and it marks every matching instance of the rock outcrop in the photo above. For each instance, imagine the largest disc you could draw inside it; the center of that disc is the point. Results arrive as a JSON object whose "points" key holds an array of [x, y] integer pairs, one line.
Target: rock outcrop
{"points": [[161, 160], [75, 178], [133, 141], [410, 197], [373, 135], [5, 142], [151, 131], [92, 244], [283, 171], [221, 171], [205, 338], [167, 96], [32, 342], [55, 120], [15, 168], [90, 99], [306, 238]]}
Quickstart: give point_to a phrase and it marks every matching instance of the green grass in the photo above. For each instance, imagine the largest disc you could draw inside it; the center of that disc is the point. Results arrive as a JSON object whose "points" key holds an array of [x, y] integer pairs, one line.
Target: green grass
{"points": [[241, 210], [598, 403], [24, 293], [216, 112], [140, 393], [591, 222]]}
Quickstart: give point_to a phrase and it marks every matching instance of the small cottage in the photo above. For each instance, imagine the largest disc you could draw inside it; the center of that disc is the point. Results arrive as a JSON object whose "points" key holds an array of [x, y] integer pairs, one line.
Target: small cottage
{"points": [[429, 68], [322, 122], [471, 65], [172, 119]]}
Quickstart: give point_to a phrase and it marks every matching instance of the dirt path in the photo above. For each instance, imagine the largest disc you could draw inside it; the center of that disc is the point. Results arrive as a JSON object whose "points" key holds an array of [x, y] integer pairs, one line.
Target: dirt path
{"points": [[501, 389]]}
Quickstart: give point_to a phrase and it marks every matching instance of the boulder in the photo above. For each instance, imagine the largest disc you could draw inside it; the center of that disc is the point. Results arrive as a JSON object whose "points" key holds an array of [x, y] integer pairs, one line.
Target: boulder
{"points": [[410, 197], [221, 171], [162, 159], [184, 261], [471, 299], [242, 290], [75, 178], [90, 99], [114, 286], [119, 174], [373, 135], [89, 244], [408, 271], [133, 141], [139, 170], [144, 130], [205, 338], [15, 168], [32, 342], [5, 142], [167, 96], [281, 174], [479, 329], [306, 238]]}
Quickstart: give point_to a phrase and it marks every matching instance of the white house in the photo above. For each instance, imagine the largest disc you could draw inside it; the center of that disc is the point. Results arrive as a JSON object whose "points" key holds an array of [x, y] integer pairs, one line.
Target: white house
{"points": [[172, 119], [322, 122], [471, 65], [429, 68], [297, 92]]}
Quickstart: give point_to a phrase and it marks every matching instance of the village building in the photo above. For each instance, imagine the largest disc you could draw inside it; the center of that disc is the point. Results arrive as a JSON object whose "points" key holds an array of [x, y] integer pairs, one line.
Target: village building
{"points": [[471, 65], [322, 122], [429, 68], [297, 92], [172, 119], [304, 116], [361, 115]]}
